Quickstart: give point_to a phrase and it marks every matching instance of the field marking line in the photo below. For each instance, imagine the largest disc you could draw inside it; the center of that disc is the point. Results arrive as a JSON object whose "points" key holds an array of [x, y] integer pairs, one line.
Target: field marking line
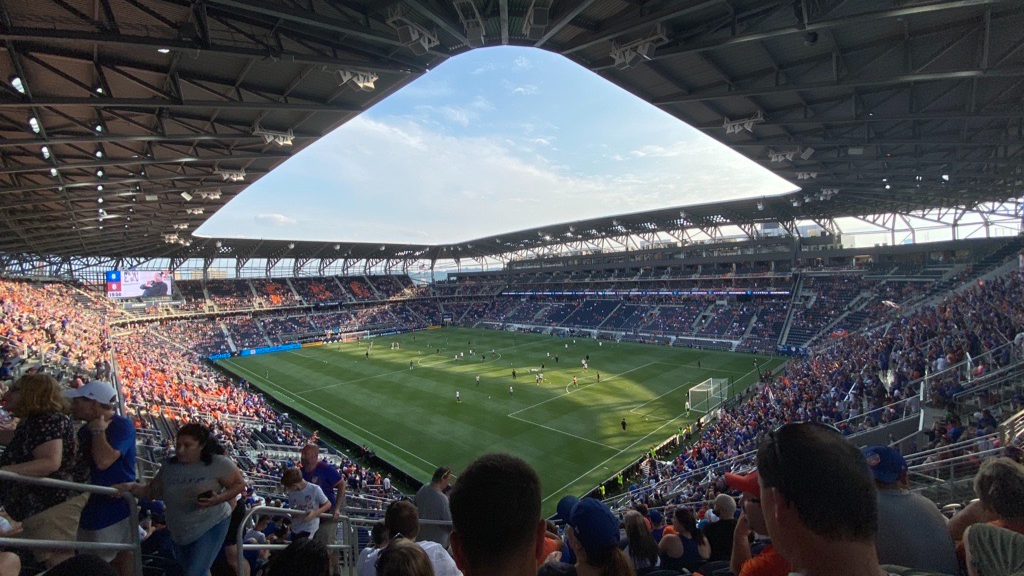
{"points": [[639, 406], [399, 371], [332, 415], [619, 453], [563, 432], [580, 388]]}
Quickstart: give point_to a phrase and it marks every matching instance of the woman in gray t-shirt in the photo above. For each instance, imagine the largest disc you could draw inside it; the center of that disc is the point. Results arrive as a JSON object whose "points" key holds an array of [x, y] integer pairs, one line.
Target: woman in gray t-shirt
{"points": [[198, 486]]}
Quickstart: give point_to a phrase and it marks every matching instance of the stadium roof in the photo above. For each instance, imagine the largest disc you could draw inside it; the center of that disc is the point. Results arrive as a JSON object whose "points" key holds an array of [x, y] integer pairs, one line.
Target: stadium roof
{"points": [[125, 125]]}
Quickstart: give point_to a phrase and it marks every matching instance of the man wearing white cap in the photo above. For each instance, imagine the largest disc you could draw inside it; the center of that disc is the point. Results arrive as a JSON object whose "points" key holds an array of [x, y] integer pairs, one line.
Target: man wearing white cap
{"points": [[107, 442]]}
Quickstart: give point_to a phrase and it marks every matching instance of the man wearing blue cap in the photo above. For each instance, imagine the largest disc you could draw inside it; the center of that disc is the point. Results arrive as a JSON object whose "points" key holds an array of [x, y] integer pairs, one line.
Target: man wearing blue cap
{"points": [[108, 443], [593, 534], [911, 530]]}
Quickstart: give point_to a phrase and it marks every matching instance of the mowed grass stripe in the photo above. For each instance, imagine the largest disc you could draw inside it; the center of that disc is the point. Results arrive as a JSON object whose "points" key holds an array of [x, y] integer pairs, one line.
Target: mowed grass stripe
{"points": [[410, 418]]}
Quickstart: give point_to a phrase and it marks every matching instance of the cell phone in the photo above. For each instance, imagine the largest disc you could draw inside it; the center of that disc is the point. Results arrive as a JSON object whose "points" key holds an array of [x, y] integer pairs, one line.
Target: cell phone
{"points": [[207, 494]]}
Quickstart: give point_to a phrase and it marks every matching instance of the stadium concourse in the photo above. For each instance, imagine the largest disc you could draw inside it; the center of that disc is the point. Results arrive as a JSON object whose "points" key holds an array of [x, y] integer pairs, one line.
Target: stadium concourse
{"points": [[910, 346]]}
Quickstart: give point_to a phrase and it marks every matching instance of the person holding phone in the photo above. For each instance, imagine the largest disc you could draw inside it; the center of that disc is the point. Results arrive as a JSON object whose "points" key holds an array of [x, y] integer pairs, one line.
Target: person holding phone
{"points": [[199, 486]]}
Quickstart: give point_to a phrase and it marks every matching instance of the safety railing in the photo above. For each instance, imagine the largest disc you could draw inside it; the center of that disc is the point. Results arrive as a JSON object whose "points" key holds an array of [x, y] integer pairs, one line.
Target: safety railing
{"points": [[346, 546], [134, 546]]}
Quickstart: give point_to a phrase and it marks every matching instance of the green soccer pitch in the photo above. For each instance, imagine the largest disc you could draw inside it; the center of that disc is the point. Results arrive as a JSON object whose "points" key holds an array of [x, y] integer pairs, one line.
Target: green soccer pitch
{"points": [[572, 435]]}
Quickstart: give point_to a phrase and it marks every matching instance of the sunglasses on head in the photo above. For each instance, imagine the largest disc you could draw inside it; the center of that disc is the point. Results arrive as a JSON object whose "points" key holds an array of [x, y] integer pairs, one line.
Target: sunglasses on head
{"points": [[777, 436]]}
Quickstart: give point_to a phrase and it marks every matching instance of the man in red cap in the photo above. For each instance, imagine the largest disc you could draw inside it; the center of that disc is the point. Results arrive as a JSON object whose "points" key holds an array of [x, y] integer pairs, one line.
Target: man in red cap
{"points": [[768, 562]]}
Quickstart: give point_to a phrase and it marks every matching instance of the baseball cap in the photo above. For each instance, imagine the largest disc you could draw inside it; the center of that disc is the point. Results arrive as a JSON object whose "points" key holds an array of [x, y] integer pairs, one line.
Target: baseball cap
{"points": [[565, 506], [595, 526], [887, 465], [655, 517], [746, 483], [98, 390]]}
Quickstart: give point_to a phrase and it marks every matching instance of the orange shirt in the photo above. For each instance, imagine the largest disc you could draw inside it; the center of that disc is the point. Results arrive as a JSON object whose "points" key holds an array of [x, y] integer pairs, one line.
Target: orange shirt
{"points": [[767, 563], [551, 544]]}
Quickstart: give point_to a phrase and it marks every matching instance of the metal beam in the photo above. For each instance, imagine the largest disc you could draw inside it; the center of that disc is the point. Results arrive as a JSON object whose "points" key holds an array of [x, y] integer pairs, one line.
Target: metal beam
{"points": [[1009, 71], [155, 103]]}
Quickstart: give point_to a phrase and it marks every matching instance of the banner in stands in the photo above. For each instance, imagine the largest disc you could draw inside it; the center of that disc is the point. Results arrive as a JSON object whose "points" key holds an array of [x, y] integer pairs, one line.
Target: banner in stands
{"points": [[269, 349], [219, 356], [138, 283]]}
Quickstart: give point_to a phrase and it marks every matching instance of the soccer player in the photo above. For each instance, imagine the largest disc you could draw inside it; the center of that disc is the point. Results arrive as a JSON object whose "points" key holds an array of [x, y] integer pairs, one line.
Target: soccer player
{"points": [[477, 380], [623, 424], [574, 382], [509, 390], [598, 376], [513, 373], [458, 397]]}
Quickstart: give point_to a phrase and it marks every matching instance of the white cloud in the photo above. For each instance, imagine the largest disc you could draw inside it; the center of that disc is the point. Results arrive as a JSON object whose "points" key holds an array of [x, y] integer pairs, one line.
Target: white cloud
{"points": [[522, 62], [525, 90], [275, 219], [456, 115], [489, 67], [403, 180]]}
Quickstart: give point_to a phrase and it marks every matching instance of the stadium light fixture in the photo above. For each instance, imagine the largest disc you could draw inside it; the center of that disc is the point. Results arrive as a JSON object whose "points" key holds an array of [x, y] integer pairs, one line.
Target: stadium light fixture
{"points": [[45, 151], [760, 205], [17, 84], [232, 175], [414, 36], [633, 53], [186, 196], [33, 124], [181, 226], [774, 156], [53, 172], [737, 126], [806, 175], [164, 50], [194, 211], [281, 138], [358, 79], [472, 22], [214, 195]]}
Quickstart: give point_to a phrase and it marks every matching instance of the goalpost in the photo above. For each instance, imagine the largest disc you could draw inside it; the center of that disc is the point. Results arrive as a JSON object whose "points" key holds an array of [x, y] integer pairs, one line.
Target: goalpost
{"points": [[709, 394]]}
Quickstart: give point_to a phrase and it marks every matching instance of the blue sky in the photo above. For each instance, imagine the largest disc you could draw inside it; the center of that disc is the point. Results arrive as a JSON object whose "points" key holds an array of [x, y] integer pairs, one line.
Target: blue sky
{"points": [[492, 141]]}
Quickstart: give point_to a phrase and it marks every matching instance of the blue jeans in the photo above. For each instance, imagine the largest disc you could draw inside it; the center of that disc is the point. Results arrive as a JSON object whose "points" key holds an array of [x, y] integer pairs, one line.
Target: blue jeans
{"points": [[197, 557]]}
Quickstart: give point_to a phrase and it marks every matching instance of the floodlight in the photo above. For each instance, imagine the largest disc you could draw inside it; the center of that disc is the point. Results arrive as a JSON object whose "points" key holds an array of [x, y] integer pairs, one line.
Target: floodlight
{"points": [[232, 175], [737, 126], [358, 79], [186, 196], [281, 138], [632, 53]]}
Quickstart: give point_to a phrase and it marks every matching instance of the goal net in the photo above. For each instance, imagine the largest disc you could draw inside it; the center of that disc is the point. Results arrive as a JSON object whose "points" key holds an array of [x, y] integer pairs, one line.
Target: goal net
{"points": [[709, 394]]}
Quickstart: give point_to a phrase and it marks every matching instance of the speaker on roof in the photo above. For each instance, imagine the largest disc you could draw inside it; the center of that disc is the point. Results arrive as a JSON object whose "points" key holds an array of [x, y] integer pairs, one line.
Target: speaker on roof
{"points": [[540, 16], [407, 34], [419, 47], [474, 35]]}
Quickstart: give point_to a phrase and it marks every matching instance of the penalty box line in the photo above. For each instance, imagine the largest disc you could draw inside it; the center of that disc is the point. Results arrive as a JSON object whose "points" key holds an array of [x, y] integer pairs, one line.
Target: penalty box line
{"points": [[639, 406], [563, 432]]}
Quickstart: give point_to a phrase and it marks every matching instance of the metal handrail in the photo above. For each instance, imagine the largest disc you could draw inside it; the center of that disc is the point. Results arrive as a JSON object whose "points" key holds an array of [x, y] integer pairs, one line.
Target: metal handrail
{"points": [[133, 507], [242, 546]]}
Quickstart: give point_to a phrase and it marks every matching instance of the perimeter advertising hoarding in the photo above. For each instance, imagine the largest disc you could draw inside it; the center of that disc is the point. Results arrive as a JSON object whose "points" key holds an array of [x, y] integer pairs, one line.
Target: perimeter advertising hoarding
{"points": [[138, 284]]}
